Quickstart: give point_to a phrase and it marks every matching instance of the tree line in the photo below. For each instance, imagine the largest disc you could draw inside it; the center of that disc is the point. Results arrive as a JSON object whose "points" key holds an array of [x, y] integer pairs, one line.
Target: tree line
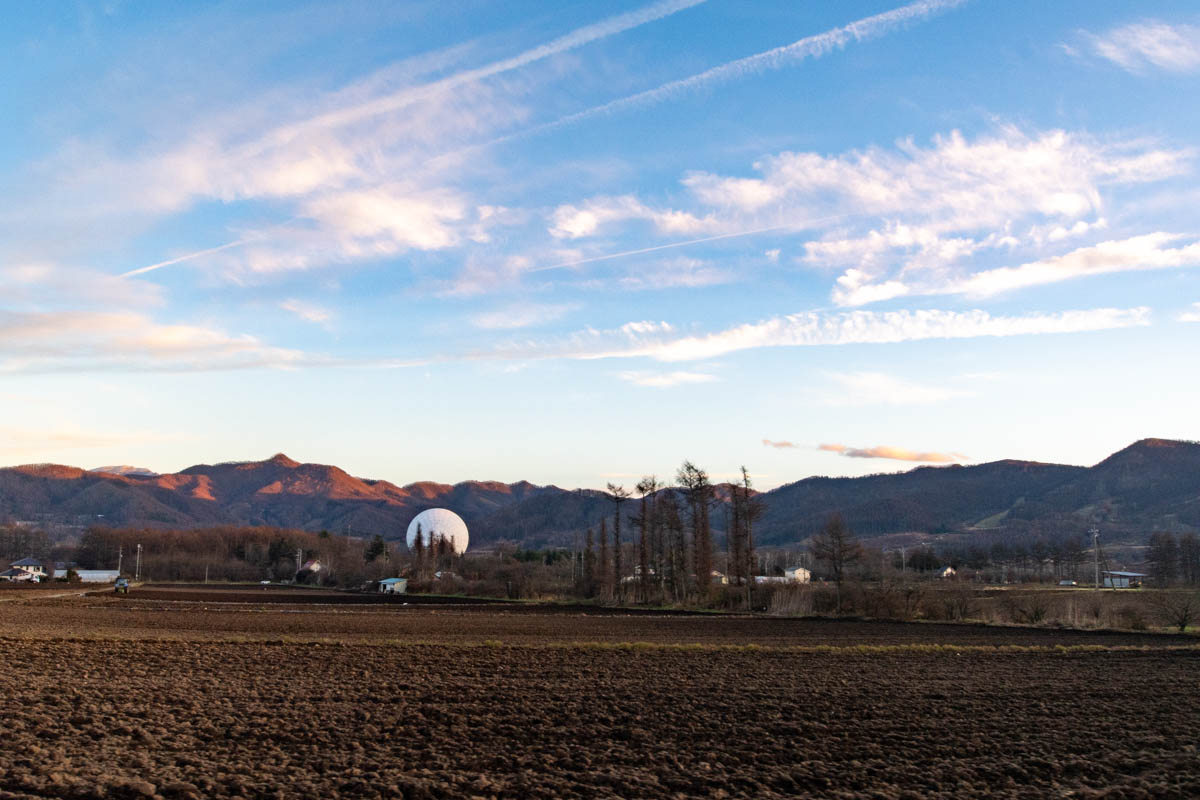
{"points": [[670, 554]]}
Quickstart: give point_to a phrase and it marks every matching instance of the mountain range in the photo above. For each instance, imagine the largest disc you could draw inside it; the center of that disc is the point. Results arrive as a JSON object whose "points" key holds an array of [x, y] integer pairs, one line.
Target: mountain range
{"points": [[1153, 484]]}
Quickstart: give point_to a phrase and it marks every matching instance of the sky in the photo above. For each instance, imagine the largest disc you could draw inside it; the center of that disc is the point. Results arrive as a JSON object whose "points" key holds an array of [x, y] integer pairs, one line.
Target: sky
{"points": [[576, 243]]}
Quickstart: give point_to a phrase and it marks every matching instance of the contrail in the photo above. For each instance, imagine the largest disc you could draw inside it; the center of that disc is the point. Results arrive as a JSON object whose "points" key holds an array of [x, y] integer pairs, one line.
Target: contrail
{"points": [[809, 47], [181, 259], [794, 225], [568, 41]]}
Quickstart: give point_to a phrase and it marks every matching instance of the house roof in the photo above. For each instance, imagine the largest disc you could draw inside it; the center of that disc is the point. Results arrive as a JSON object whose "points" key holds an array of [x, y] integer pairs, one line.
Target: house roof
{"points": [[393, 580], [26, 562], [1120, 574], [14, 573]]}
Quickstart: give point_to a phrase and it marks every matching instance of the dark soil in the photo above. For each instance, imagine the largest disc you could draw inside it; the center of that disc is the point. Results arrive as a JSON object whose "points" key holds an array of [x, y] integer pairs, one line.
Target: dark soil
{"points": [[116, 697]]}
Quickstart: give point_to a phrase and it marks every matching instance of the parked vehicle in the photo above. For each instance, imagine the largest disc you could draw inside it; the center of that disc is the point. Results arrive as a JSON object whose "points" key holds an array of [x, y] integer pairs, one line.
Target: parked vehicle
{"points": [[121, 586]]}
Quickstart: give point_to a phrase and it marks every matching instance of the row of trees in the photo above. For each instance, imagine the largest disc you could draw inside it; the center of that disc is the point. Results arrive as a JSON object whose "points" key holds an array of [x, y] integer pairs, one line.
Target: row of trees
{"points": [[1172, 561], [672, 545]]}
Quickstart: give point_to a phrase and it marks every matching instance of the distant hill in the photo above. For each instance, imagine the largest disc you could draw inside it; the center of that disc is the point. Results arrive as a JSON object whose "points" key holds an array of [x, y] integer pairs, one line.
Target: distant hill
{"points": [[1153, 484]]}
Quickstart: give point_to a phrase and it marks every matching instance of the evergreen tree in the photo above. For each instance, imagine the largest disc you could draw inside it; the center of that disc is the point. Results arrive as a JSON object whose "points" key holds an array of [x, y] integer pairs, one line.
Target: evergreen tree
{"points": [[418, 553], [374, 549]]}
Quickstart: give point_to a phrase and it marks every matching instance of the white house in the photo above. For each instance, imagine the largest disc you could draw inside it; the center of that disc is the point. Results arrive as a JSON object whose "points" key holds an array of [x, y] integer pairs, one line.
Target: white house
{"points": [[27, 569], [797, 575]]}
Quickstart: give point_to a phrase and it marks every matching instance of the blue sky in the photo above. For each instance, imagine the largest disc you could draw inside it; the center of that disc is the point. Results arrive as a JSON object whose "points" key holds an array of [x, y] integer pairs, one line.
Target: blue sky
{"points": [[580, 242]]}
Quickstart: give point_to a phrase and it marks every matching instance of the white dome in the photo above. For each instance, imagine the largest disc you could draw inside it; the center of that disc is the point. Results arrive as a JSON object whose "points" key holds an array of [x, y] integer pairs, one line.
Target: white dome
{"points": [[438, 522]]}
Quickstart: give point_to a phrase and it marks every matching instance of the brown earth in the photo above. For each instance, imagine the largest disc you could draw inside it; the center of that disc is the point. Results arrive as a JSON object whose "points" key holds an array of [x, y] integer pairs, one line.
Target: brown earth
{"points": [[108, 697]]}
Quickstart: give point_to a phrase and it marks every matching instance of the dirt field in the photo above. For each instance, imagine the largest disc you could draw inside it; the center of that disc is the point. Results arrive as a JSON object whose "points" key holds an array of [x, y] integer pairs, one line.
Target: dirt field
{"points": [[200, 698]]}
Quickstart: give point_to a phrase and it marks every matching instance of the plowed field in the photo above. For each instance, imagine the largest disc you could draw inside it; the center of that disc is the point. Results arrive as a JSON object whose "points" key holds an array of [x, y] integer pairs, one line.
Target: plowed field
{"points": [[141, 698]]}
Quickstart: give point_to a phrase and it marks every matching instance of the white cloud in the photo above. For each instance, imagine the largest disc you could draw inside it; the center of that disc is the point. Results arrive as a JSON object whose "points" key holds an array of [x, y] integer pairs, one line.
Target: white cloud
{"points": [[369, 169], [21, 440], [52, 285], [1138, 253], [673, 273], [574, 222], [307, 311], [82, 341], [1191, 316], [894, 453], [520, 316], [907, 215], [1152, 43], [663, 380], [877, 388], [662, 342]]}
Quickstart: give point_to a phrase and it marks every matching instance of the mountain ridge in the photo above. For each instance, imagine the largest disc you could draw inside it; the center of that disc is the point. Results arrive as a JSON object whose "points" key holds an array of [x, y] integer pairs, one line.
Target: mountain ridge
{"points": [[1151, 484]]}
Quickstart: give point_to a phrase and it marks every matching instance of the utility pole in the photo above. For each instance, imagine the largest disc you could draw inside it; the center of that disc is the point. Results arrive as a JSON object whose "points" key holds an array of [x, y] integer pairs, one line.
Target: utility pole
{"points": [[120, 556], [1095, 532], [137, 574]]}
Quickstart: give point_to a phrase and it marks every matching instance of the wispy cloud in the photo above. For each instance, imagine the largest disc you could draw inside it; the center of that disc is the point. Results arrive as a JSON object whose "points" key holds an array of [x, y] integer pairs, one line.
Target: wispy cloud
{"points": [[363, 172], [1191, 316], [307, 311], [20, 440], [523, 315], [663, 342], [45, 285], [1146, 252], [893, 453], [877, 388], [782, 444], [674, 273], [86, 341], [1150, 43], [663, 380]]}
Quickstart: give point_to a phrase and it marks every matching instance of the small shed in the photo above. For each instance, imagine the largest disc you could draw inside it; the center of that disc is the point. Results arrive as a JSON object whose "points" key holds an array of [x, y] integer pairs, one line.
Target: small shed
{"points": [[1119, 579], [393, 586]]}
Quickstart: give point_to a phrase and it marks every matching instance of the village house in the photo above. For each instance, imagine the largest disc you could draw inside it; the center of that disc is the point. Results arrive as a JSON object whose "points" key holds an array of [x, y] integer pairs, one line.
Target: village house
{"points": [[27, 569]]}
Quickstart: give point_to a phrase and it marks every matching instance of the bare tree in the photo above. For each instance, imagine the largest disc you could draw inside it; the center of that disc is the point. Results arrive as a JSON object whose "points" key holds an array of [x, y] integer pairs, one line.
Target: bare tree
{"points": [[646, 522], [619, 496], [605, 580], [589, 566], [675, 559], [1177, 609], [699, 491], [834, 545]]}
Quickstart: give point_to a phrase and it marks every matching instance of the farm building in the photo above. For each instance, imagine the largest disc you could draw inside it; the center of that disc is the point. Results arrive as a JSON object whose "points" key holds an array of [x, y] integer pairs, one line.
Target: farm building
{"points": [[91, 575], [393, 586], [1118, 579], [946, 572]]}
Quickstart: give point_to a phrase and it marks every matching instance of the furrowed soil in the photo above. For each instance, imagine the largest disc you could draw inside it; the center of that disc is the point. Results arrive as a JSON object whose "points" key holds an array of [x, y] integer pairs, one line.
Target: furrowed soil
{"points": [[195, 697]]}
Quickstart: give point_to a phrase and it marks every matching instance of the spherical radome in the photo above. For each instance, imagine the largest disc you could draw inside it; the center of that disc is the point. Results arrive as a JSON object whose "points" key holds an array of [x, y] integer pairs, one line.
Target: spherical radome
{"points": [[438, 522]]}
